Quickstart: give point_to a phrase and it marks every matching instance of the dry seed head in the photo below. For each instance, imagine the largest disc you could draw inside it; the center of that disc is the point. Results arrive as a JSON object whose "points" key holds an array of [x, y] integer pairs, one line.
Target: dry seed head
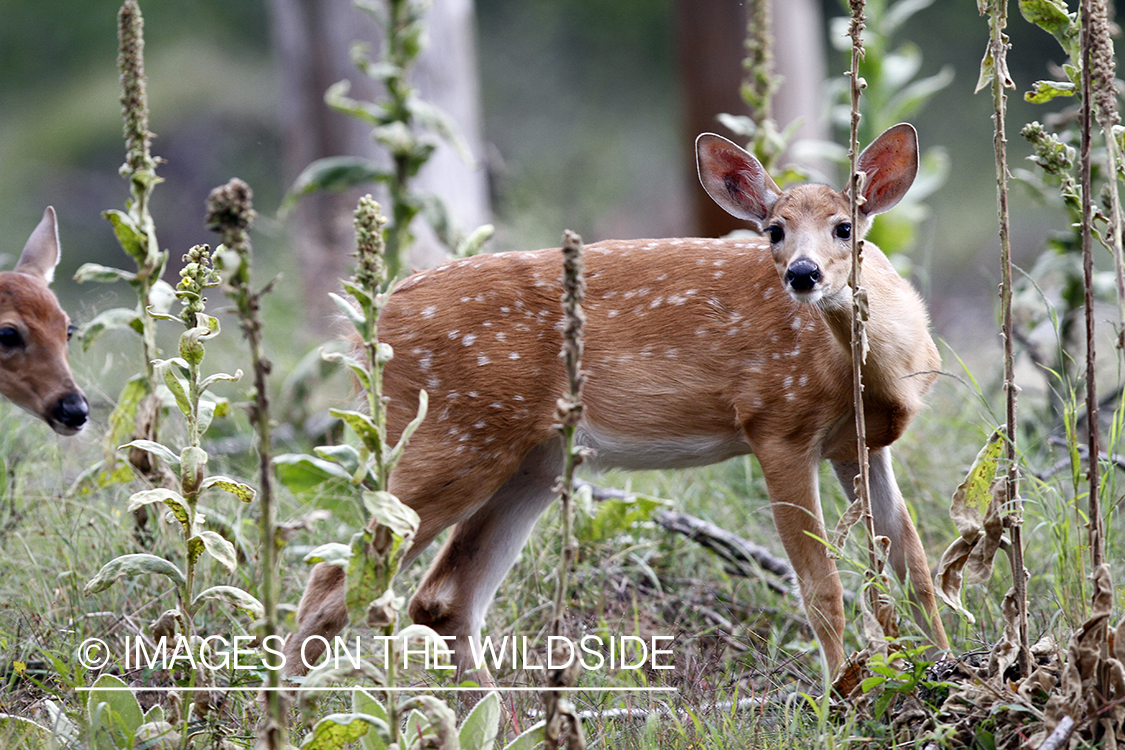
{"points": [[569, 410], [371, 272], [1103, 67], [134, 100], [230, 211]]}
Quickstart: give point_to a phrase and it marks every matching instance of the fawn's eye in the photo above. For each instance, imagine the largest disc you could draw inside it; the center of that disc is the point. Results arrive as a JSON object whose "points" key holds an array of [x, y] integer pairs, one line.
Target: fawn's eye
{"points": [[776, 233], [844, 231], [70, 331], [10, 338]]}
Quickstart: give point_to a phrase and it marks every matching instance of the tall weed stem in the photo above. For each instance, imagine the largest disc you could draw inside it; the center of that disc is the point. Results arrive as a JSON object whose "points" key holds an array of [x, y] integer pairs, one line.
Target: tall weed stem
{"points": [[997, 53]]}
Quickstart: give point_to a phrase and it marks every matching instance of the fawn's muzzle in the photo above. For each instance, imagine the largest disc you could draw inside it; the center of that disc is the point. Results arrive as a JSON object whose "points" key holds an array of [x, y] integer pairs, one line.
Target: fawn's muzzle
{"points": [[802, 275], [69, 413]]}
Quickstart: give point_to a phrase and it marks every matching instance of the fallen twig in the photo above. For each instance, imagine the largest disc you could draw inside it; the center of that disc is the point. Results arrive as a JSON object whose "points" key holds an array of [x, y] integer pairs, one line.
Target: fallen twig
{"points": [[1058, 738]]}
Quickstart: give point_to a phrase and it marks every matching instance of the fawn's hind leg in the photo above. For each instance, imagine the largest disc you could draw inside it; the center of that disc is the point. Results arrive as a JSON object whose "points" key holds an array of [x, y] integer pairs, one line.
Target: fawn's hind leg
{"points": [[892, 520], [460, 584]]}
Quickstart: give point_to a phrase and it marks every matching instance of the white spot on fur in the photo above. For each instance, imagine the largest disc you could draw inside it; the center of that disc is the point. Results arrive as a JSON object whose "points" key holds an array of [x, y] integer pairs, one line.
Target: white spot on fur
{"points": [[482, 360], [469, 339], [514, 355], [428, 312]]}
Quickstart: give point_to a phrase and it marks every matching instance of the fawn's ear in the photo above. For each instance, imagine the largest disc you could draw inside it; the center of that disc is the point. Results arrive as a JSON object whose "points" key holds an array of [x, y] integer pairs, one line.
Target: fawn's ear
{"points": [[735, 179], [41, 253], [891, 164]]}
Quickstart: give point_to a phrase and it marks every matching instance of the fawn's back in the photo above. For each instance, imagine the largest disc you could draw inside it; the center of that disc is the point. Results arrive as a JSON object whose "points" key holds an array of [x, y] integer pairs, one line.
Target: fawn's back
{"points": [[692, 348]]}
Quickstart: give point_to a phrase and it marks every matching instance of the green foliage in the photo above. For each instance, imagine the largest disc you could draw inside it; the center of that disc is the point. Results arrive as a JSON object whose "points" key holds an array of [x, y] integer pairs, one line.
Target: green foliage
{"points": [[893, 93], [1052, 293], [405, 125], [897, 674], [183, 378], [428, 723], [116, 720]]}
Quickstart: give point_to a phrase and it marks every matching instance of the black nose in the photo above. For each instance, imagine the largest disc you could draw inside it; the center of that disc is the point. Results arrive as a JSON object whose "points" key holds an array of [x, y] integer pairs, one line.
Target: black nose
{"points": [[71, 410], [802, 275]]}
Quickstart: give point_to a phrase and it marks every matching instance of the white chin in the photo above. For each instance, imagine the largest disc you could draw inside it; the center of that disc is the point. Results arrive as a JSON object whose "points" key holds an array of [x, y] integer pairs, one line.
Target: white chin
{"points": [[810, 297]]}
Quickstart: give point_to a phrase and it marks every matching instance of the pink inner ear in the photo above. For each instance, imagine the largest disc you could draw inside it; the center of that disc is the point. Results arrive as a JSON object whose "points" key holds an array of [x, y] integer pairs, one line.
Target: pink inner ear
{"points": [[891, 163], [735, 180]]}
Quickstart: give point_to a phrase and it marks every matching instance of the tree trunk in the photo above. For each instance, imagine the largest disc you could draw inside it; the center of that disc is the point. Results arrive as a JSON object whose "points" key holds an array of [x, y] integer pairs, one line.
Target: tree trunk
{"points": [[312, 39], [711, 36]]}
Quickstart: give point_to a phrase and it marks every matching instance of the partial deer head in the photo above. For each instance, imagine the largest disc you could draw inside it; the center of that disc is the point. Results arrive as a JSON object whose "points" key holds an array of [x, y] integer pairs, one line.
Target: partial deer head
{"points": [[34, 330], [809, 227]]}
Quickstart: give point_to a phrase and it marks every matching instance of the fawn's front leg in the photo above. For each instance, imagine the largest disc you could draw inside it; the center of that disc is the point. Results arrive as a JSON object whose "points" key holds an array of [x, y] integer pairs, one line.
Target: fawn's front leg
{"points": [[792, 483]]}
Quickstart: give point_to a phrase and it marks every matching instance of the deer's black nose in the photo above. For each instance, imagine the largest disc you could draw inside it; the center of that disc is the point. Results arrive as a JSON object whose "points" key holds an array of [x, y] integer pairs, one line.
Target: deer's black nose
{"points": [[71, 410], [802, 275]]}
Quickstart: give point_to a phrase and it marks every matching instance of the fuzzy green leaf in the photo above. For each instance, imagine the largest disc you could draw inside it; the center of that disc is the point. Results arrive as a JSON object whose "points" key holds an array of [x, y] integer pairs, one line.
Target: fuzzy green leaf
{"points": [[363, 426], [357, 366], [344, 455], [1045, 91], [102, 274], [472, 244], [335, 731], [1052, 17], [133, 240], [163, 369], [174, 500], [302, 473], [365, 703], [219, 548], [400, 446], [114, 710], [333, 174], [218, 377], [350, 311], [243, 492], [482, 726], [162, 452], [233, 597], [109, 320], [122, 421], [128, 566], [333, 553], [389, 511], [529, 739]]}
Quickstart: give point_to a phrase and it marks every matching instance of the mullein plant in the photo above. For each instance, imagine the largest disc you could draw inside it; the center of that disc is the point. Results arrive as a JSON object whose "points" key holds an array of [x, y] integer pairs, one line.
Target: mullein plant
{"points": [[559, 712], [183, 377], [138, 410], [230, 212], [380, 717], [406, 126]]}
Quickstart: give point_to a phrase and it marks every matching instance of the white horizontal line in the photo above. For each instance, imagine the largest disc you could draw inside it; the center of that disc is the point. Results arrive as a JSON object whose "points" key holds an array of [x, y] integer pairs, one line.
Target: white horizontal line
{"points": [[331, 688]]}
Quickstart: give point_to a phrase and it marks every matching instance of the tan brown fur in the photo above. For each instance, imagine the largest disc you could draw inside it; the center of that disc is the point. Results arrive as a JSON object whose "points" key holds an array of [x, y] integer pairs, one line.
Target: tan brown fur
{"points": [[34, 330], [696, 350]]}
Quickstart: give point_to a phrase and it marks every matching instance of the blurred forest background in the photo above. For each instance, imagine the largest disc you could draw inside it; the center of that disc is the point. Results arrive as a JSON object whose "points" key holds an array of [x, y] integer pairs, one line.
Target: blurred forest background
{"points": [[580, 117]]}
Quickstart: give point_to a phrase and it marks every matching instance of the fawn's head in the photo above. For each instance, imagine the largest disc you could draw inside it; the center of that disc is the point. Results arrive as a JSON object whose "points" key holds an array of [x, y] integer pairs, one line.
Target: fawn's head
{"points": [[34, 373], [809, 226]]}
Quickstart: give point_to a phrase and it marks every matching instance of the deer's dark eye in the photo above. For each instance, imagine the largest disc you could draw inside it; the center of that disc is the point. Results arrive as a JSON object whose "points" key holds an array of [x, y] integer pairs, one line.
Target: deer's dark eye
{"points": [[844, 231], [70, 331], [10, 338], [776, 233]]}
